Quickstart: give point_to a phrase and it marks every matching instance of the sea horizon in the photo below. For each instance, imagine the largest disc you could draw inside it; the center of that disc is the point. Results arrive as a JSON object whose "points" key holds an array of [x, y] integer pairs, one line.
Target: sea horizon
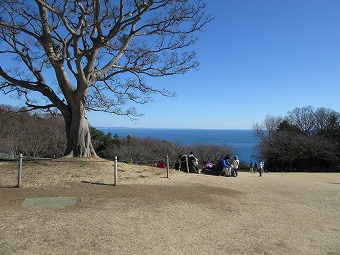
{"points": [[242, 141], [184, 128]]}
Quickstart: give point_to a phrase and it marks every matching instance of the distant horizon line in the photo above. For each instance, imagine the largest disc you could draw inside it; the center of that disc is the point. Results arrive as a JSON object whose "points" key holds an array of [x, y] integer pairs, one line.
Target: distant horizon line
{"points": [[173, 128]]}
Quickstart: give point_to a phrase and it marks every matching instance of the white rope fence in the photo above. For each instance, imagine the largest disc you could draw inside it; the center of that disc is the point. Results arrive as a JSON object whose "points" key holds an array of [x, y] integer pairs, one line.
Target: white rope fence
{"points": [[115, 170]]}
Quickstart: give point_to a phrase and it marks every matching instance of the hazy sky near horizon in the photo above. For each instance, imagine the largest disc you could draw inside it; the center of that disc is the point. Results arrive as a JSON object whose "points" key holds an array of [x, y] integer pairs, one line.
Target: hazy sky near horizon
{"points": [[257, 58]]}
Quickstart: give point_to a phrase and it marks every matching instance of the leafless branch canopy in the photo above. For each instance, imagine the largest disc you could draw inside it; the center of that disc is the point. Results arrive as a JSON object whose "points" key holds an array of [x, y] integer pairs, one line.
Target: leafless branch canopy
{"points": [[98, 51]]}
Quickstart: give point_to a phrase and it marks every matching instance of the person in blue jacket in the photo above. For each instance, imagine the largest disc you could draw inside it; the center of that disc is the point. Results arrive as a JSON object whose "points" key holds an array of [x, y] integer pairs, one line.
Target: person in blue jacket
{"points": [[223, 166]]}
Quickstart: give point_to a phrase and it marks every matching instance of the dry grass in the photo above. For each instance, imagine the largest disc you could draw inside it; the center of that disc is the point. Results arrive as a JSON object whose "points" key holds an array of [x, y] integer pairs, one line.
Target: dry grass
{"points": [[295, 213]]}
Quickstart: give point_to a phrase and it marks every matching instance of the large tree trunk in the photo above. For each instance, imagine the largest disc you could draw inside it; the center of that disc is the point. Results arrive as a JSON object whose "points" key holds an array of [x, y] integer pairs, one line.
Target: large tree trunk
{"points": [[78, 133]]}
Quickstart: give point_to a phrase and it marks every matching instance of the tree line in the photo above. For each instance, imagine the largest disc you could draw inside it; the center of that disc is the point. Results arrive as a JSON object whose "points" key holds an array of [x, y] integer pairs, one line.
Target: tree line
{"points": [[35, 135], [304, 140], [149, 150], [43, 135]]}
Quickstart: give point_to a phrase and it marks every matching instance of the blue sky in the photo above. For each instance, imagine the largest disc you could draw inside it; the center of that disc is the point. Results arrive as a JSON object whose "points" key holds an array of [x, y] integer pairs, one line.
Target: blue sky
{"points": [[257, 58]]}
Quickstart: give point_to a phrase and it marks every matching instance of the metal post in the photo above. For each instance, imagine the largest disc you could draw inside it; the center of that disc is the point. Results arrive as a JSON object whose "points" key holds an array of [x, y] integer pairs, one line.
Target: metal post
{"points": [[19, 170], [167, 166], [115, 172]]}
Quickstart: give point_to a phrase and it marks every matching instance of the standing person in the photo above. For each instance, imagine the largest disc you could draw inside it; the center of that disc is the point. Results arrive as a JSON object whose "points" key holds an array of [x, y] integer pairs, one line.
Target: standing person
{"points": [[255, 167], [235, 164], [193, 163], [251, 167], [260, 168], [177, 165]]}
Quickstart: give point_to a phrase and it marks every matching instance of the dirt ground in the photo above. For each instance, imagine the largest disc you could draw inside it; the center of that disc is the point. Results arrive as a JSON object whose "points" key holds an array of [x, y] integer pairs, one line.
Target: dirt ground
{"points": [[147, 213]]}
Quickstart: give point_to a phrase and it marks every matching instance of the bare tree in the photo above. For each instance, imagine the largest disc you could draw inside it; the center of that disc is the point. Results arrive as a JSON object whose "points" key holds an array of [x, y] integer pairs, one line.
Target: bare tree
{"points": [[303, 118], [94, 55], [326, 120], [38, 135], [34, 141], [270, 126], [56, 135], [209, 152], [305, 140], [10, 129]]}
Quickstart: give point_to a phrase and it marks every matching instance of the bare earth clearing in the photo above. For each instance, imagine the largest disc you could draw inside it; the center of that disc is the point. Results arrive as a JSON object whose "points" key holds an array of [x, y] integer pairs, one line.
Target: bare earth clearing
{"points": [[147, 213]]}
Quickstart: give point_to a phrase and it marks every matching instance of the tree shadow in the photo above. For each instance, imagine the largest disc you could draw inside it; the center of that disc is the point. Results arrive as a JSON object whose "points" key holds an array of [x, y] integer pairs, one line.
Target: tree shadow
{"points": [[9, 187], [97, 183]]}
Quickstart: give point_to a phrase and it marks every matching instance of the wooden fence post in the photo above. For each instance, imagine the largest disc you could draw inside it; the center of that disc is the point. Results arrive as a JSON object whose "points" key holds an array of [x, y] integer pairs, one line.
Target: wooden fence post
{"points": [[19, 170], [187, 163], [167, 166], [115, 173]]}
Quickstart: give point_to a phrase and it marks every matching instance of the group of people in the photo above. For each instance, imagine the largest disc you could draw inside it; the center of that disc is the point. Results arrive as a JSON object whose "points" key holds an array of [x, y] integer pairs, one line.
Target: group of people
{"points": [[188, 163], [225, 166], [257, 168], [228, 167]]}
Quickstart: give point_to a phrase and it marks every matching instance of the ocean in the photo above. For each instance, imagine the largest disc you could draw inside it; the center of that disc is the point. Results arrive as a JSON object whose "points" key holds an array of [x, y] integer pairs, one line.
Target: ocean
{"points": [[241, 141]]}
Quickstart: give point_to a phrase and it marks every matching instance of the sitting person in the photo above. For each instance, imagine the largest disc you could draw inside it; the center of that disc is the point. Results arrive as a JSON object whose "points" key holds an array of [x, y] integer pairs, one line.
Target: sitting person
{"points": [[209, 165], [161, 164], [177, 165], [223, 166], [210, 168]]}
